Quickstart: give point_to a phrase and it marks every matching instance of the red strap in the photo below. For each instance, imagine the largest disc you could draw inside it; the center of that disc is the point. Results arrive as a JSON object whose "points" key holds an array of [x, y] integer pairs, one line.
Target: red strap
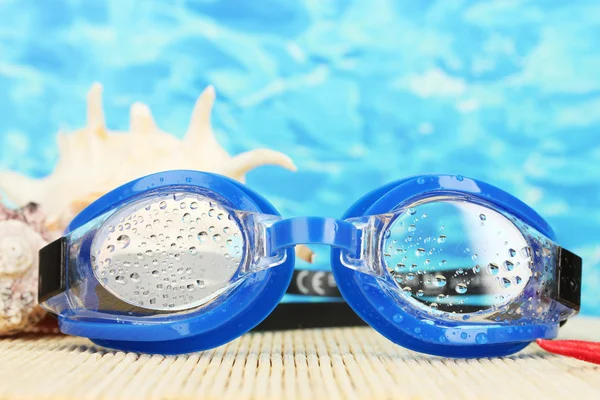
{"points": [[579, 349]]}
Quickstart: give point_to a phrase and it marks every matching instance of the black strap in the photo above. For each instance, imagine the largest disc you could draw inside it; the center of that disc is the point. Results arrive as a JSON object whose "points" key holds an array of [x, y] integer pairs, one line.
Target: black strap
{"points": [[320, 305], [330, 311], [568, 279], [52, 269]]}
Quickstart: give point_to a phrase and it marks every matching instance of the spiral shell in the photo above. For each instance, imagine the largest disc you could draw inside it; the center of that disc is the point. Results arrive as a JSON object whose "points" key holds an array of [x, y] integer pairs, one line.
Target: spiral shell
{"points": [[22, 234]]}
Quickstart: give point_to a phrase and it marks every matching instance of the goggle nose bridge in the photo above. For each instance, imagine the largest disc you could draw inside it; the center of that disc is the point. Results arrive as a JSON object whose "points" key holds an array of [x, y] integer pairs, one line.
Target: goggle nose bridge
{"points": [[315, 230]]}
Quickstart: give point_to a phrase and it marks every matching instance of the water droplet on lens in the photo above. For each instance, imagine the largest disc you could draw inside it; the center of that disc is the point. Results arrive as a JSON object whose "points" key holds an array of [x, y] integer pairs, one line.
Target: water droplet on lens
{"points": [[518, 279], [412, 211], [461, 288], [463, 335], [493, 269], [202, 236], [135, 277], [419, 252], [398, 318], [441, 239], [476, 269], [482, 217], [509, 265], [162, 205], [440, 280], [410, 276], [420, 293], [505, 282], [120, 279], [193, 251], [512, 252], [217, 237], [155, 273], [407, 289], [412, 228], [200, 283], [110, 248]]}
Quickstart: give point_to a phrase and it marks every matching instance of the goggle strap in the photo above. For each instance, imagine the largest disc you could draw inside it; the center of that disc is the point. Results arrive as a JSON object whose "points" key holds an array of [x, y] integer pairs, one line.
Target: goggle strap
{"points": [[568, 279], [52, 269]]}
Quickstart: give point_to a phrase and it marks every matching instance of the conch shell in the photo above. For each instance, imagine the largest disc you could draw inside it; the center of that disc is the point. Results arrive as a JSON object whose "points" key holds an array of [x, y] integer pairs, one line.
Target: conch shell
{"points": [[95, 160], [22, 234]]}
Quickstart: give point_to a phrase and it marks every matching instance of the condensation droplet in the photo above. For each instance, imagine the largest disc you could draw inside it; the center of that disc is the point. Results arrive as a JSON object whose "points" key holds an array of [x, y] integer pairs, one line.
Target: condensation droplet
{"points": [[419, 252], [217, 237], [440, 280], [110, 248], [412, 228], [509, 265], [135, 277], [162, 205], [504, 282], [193, 251], [420, 293], [493, 269], [441, 239], [202, 236], [482, 217], [200, 283], [481, 338], [461, 288], [120, 279], [187, 217], [512, 252]]}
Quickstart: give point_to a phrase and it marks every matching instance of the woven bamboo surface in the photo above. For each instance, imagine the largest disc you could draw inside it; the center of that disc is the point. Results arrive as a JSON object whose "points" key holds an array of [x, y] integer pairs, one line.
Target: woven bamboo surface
{"points": [[349, 363]]}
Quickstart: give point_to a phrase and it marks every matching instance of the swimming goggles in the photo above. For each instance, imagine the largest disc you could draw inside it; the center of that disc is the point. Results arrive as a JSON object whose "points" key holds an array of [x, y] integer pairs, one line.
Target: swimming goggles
{"points": [[183, 261]]}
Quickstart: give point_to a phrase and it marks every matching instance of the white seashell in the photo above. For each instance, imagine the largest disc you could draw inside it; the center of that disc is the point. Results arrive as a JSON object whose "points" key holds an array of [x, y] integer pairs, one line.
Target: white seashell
{"points": [[19, 246], [95, 160]]}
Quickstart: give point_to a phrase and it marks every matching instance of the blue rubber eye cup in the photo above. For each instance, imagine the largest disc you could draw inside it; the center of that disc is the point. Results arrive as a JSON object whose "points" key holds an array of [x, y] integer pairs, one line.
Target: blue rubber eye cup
{"points": [[184, 261]]}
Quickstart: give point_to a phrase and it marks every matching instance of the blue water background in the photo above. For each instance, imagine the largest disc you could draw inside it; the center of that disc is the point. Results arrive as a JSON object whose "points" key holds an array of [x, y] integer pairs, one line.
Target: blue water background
{"points": [[358, 93]]}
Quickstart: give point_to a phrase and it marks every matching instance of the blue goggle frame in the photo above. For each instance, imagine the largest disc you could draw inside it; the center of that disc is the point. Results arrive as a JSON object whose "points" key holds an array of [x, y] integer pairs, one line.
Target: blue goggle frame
{"points": [[70, 288]]}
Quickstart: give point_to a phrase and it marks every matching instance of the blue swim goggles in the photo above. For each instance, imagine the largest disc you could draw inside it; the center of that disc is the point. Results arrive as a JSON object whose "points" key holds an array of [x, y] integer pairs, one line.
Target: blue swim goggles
{"points": [[182, 261]]}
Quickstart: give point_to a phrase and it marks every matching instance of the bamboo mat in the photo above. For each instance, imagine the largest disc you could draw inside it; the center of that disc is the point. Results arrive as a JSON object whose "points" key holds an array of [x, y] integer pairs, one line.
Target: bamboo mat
{"points": [[349, 363]]}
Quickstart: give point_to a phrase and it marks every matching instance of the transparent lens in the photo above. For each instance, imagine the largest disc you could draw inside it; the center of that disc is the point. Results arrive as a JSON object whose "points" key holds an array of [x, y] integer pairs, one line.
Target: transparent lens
{"points": [[168, 252], [457, 256]]}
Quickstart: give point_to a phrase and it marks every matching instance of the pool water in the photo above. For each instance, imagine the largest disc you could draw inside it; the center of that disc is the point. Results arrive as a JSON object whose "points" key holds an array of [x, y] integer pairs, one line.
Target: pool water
{"points": [[358, 93]]}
